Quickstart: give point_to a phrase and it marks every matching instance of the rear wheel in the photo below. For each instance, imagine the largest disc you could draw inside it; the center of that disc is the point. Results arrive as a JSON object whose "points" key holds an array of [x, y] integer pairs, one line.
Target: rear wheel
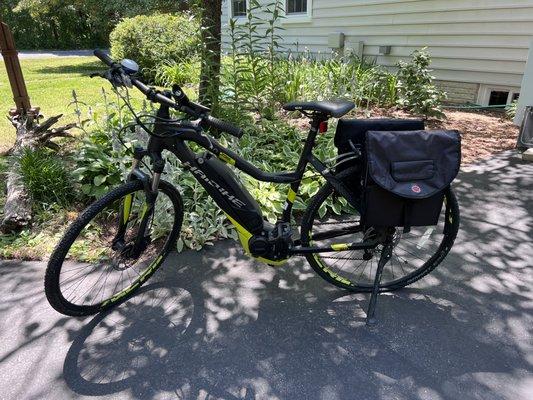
{"points": [[415, 254], [102, 260]]}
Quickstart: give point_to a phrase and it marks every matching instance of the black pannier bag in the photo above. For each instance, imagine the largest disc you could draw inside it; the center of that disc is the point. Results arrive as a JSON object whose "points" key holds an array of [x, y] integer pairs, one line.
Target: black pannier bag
{"points": [[407, 174], [350, 139]]}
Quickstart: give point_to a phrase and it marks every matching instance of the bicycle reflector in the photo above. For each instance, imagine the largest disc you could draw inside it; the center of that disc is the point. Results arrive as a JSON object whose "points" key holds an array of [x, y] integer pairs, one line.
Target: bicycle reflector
{"points": [[323, 127]]}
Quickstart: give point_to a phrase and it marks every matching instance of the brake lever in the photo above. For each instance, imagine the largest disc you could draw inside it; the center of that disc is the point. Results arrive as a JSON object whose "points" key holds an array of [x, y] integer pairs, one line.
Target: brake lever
{"points": [[118, 78]]}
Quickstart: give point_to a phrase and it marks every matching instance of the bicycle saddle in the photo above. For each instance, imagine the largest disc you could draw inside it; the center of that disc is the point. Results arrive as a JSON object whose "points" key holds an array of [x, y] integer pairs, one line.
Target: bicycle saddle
{"points": [[336, 108]]}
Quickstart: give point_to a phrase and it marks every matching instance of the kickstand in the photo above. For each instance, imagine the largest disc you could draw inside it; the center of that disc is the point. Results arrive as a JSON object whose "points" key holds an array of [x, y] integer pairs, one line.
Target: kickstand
{"points": [[386, 254]]}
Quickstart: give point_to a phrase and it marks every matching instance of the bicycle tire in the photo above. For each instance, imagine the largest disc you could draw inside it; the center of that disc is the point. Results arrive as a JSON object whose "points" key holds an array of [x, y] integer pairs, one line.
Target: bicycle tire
{"points": [[53, 270], [334, 278]]}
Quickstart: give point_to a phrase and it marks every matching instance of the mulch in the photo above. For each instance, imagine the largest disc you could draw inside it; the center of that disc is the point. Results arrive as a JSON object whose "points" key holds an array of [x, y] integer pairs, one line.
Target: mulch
{"points": [[483, 133]]}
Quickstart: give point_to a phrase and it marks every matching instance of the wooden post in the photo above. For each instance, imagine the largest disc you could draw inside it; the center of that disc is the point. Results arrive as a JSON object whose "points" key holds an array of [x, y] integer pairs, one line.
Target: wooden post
{"points": [[14, 72], [30, 135]]}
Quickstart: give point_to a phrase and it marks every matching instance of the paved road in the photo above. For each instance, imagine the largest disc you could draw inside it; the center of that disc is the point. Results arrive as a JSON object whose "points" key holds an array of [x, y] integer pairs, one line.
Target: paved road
{"points": [[53, 53], [214, 325]]}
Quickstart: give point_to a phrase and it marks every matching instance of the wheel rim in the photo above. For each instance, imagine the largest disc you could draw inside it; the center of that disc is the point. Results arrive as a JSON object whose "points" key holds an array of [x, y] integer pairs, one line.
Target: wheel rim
{"points": [[413, 252], [94, 272]]}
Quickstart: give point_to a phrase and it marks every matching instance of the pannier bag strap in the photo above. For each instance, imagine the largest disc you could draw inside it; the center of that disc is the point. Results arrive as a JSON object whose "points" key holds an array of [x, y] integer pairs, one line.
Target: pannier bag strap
{"points": [[407, 216]]}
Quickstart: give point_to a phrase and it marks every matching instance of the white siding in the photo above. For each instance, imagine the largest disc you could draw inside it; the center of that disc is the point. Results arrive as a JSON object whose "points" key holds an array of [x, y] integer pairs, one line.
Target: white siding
{"points": [[475, 41]]}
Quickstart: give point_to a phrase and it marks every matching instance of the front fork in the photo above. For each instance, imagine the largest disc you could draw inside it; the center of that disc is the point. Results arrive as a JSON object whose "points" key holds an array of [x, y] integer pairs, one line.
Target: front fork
{"points": [[151, 190]]}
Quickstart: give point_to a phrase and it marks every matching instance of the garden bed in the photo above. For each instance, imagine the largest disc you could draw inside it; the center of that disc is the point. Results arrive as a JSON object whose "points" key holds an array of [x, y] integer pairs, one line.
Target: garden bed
{"points": [[483, 133]]}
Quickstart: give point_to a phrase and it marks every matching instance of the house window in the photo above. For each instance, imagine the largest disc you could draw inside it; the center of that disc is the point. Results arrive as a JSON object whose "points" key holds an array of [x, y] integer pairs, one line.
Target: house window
{"points": [[497, 95], [238, 8], [296, 7], [498, 98]]}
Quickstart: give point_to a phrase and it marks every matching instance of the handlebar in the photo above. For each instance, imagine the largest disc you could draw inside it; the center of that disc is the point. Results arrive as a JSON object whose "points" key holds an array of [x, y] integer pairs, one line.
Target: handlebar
{"points": [[105, 58], [182, 103], [223, 126]]}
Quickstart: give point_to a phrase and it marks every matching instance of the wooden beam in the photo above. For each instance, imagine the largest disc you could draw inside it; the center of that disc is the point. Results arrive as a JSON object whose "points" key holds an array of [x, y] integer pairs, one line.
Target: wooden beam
{"points": [[14, 72]]}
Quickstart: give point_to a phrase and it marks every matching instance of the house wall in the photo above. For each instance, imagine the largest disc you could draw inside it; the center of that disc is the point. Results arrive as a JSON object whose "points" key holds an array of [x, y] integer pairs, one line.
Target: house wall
{"points": [[478, 42]]}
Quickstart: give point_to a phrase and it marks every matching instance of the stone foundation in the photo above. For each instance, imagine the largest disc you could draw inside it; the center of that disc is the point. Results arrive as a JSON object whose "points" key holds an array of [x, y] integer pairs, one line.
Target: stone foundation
{"points": [[459, 92]]}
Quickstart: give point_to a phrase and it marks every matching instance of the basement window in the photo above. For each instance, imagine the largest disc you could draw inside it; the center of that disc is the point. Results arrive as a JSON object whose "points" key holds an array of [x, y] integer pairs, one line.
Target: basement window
{"points": [[498, 98], [497, 95]]}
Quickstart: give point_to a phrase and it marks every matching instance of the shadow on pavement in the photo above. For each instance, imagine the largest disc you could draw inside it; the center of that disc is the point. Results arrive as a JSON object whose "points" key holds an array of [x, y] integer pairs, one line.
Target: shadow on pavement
{"points": [[217, 326], [214, 325]]}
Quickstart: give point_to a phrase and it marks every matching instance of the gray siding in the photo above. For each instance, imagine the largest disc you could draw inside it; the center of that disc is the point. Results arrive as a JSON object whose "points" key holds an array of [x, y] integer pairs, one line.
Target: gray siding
{"points": [[473, 41]]}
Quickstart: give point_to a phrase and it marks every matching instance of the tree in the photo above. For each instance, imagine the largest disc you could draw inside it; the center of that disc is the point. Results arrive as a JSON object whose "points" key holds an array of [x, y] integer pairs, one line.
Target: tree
{"points": [[82, 23], [210, 17], [30, 135]]}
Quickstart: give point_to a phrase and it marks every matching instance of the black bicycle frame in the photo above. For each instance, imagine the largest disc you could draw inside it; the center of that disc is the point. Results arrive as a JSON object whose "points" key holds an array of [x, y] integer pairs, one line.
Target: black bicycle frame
{"points": [[175, 142]]}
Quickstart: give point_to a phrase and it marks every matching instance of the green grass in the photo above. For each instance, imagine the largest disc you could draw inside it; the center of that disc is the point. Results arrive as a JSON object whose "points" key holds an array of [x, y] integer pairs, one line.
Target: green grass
{"points": [[50, 83]]}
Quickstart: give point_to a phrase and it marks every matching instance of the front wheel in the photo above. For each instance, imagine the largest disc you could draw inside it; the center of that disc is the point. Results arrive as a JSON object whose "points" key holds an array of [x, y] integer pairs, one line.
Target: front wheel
{"points": [[112, 248], [415, 254]]}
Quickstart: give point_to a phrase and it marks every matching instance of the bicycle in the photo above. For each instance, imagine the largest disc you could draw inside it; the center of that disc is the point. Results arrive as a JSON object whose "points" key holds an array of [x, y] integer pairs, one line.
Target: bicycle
{"points": [[126, 235]]}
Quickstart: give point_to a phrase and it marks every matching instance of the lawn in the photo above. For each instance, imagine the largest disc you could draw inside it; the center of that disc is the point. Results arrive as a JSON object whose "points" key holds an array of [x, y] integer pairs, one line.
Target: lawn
{"points": [[50, 83]]}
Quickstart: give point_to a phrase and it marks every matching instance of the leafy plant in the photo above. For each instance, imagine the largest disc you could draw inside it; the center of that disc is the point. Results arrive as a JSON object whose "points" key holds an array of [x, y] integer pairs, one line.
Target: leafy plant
{"points": [[274, 85], [101, 160], [510, 110], [98, 166], [416, 89], [45, 176], [184, 73], [155, 40]]}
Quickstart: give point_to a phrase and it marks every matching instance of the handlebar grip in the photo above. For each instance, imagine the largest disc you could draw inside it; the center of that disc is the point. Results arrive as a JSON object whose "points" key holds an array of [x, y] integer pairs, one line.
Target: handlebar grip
{"points": [[104, 57], [223, 126]]}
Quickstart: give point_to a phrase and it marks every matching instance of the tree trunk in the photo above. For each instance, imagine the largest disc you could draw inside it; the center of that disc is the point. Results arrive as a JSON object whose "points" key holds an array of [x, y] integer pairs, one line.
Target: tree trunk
{"points": [[211, 11], [30, 135]]}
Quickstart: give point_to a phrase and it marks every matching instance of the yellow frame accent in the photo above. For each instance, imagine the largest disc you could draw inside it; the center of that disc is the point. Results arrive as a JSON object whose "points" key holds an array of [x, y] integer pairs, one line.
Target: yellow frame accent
{"points": [[340, 246], [227, 159], [127, 207], [291, 196]]}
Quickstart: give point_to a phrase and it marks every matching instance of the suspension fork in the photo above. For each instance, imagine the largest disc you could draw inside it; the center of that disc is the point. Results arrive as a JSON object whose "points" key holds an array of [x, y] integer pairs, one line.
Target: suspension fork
{"points": [[151, 190]]}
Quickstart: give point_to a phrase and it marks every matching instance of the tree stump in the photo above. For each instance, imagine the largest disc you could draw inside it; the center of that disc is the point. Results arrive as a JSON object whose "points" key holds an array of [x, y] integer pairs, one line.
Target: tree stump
{"points": [[30, 135]]}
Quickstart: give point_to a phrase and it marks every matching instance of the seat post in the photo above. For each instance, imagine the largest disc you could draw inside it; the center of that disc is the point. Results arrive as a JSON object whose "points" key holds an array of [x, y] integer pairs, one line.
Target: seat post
{"points": [[316, 120]]}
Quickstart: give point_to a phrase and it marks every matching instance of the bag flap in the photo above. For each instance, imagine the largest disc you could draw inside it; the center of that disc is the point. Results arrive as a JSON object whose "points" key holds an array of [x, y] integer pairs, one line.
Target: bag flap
{"points": [[413, 164], [355, 130]]}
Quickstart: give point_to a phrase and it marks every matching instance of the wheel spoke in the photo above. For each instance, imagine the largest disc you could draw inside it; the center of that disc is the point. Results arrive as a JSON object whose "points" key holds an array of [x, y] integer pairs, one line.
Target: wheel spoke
{"points": [[411, 256], [104, 271]]}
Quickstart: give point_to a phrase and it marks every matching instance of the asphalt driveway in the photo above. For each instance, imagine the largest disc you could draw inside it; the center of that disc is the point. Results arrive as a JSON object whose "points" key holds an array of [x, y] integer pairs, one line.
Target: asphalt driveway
{"points": [[214, 325]]}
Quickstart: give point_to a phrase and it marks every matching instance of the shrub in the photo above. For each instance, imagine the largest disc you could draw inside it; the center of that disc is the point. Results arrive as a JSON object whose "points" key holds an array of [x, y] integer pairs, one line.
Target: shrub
{"points": [[45, 177], [416, 89], [183, 73], [155, 40]]}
